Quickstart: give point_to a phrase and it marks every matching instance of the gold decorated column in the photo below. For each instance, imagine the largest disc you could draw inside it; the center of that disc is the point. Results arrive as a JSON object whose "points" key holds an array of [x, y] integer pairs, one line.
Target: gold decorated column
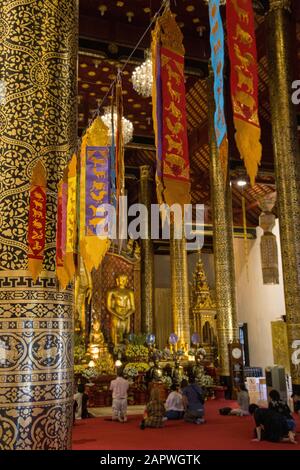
{"points": [[147, 255], [180, 289], [38, 122], [287, 169], [220, 189]]}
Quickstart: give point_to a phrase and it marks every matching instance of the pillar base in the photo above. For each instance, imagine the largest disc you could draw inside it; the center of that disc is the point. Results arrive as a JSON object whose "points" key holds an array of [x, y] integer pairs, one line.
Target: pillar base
{"points": [[225, 381]]}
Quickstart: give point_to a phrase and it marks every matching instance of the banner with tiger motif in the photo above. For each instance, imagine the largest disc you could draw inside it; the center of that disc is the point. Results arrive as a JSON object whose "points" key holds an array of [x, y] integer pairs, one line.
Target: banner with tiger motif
{"points": [[244, 82]]}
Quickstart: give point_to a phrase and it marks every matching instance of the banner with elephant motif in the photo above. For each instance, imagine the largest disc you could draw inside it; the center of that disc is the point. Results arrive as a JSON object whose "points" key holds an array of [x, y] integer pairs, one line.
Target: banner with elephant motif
{"points": [[217, 63], [175, 168], [244, 82], [37, 220]]}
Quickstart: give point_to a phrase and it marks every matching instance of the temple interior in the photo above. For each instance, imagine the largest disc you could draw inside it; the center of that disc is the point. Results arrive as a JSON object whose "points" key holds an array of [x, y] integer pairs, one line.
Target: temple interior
{"points": [[149, 216]]}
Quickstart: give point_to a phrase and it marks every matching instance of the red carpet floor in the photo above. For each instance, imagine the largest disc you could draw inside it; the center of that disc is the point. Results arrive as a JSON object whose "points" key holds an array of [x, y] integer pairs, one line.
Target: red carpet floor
{"points": [[219, 432]]}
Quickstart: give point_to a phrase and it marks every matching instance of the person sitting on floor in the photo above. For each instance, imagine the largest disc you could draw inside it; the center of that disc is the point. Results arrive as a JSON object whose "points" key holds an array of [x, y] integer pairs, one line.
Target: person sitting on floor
{"points": [[270, 425], [296, 402], [194, 402], [281, 406], [155, 411], [80, 403], [119, 388], [174, 403], [243, 402]]}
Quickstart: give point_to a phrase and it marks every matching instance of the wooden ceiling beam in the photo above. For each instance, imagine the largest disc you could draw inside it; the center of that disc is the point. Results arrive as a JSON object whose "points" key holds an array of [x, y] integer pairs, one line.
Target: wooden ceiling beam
{"points": [[126, 34]]}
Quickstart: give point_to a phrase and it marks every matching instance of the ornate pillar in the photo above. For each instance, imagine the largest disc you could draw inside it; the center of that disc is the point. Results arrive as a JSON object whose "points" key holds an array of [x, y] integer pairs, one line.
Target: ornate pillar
{"points": [[180, 289], [287, 169], [147, 256], [227, 326], [38, 121]]}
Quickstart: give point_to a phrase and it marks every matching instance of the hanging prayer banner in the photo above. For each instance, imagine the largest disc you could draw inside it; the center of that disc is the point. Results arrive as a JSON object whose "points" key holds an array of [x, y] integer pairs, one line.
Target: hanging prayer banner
{"points": [[61, 230], [172, 113], [217, 62], [97, 182], [157, 108], [37, 220], [244, 82], [94, 192], [71, 223]]}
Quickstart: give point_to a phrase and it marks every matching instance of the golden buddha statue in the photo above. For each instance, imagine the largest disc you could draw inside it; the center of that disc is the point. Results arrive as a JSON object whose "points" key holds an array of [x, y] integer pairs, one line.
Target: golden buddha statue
{"points": [[121, 305], [83, 292], [96, 335]]}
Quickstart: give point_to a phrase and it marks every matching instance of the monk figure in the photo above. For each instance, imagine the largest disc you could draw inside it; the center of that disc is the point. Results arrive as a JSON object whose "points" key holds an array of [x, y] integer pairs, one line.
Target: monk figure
{"points": [[120, 303]]}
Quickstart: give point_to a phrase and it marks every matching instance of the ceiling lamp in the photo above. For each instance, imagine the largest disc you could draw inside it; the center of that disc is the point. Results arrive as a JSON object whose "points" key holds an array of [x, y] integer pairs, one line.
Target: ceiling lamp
{"points": [[142, 77], [126, 125]]}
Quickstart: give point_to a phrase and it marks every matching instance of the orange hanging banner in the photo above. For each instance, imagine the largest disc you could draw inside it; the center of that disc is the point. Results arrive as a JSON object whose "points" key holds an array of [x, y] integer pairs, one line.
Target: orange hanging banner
{"points": [[37, 220], [175, 168], [71, 223], [244, 82]]}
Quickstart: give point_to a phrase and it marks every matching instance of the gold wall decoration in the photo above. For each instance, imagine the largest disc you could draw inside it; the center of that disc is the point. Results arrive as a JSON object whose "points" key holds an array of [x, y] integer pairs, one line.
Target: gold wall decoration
{"points": [[287, 169], [280, 4], [38, 121], [147, 255], [223, 245], [280, 345], [203, 311], [36, 362], [179, 289]]}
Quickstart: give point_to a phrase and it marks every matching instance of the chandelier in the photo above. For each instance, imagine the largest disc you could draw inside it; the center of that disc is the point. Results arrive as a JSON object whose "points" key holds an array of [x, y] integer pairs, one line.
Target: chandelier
{"points": [[142, 77], [127, 125]]}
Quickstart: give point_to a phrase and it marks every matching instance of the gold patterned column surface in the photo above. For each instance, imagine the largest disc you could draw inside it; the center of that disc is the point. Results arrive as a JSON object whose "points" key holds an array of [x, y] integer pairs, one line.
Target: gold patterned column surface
{"points": [[287, 169], [180, 289], [227, 326], [147, 255], [38, 121]]}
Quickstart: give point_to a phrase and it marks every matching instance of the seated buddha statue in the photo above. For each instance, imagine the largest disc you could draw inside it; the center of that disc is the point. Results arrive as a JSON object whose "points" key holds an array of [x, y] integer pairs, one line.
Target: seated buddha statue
{"points": [[177, 373], [155, 373], [120, 304]]}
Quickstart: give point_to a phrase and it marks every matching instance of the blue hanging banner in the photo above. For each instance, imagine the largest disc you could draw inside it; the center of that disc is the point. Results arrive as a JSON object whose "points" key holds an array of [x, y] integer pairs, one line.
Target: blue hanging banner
{"points": [[217, 62]]}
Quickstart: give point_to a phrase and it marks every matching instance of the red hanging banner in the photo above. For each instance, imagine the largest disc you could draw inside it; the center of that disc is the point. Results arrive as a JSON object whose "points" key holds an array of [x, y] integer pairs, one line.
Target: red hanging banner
{"points": [[171, 111], [244, 82], [37, 220]]}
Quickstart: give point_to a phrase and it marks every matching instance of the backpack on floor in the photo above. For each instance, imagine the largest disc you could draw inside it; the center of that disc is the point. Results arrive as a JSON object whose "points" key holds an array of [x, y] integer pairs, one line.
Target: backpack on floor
{"points": [[225, 411]]}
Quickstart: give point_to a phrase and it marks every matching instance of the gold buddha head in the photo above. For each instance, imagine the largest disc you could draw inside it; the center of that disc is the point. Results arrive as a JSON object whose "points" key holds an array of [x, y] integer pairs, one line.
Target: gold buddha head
{"points": [[122, 280]]}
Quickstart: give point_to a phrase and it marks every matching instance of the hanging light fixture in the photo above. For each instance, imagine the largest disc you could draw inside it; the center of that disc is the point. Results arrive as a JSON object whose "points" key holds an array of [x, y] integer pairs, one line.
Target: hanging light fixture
{"points": [[142, 77], [127, 125]]}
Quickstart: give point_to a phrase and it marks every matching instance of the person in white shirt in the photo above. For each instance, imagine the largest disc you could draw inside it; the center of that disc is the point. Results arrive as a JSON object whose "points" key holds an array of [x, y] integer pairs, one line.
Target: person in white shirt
{"points": [[119, 388], [174, 404], [243, 402]]}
